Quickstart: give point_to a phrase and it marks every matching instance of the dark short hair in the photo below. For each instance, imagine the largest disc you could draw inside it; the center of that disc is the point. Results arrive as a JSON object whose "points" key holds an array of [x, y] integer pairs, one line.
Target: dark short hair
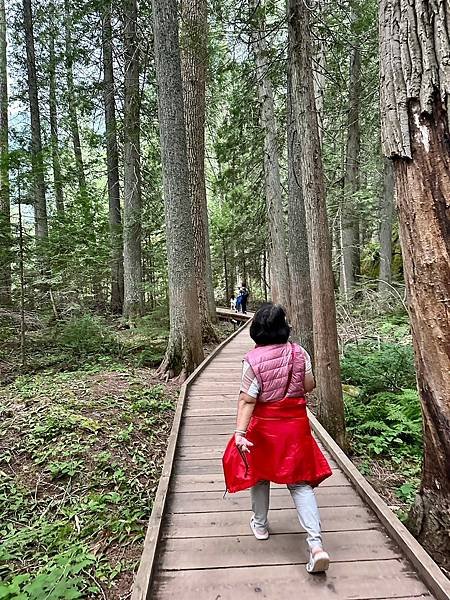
{"points": [[269, 325]]}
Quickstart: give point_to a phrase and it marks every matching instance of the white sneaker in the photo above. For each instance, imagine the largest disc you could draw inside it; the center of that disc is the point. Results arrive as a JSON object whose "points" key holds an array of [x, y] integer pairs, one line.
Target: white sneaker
{"points": [[319, 562], [260, 533]]}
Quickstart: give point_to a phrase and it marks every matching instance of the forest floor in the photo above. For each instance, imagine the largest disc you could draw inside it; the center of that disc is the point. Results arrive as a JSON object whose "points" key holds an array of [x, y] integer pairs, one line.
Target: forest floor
{"points": [[83, 436], [84, 430]]}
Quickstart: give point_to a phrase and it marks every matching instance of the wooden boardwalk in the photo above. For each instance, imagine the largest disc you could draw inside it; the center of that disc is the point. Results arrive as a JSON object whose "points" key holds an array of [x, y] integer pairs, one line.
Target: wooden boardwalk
{"points": [[199, 544]]}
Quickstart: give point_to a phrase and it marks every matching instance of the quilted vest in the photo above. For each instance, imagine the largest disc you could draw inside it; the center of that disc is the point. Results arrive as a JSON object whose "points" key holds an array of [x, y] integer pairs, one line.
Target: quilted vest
{"points": [[271, 366]]}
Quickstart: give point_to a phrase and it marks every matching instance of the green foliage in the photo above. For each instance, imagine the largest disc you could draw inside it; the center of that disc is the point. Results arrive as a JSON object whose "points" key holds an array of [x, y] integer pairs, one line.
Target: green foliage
{"points": [[67, 468], [385, 423], [378, 368], [60, 579], [82, 458], [150, 400], [382, 408], [407, 492], [87, 335]]}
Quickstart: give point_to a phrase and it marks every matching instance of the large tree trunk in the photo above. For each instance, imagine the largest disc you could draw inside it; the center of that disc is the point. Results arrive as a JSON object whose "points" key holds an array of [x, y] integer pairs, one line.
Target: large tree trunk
{"points": [[5, 216], [40, 203], [53, 110], [131, 169], [319, 70], [414, 50], [72, 99], [112, 164], [274, 197], [194, 60], [330, 406], [184, 351], [349, 207], [386, 216], [300, 278]]}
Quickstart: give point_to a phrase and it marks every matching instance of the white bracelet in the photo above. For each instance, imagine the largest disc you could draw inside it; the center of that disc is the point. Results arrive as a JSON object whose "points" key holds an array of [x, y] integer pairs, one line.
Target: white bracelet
{"points": [[240, 431]]}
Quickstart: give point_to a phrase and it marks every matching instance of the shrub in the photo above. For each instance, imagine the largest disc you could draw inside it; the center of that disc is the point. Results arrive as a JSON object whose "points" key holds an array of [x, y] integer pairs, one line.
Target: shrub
{"points": [[87, 335], [389, 367]]}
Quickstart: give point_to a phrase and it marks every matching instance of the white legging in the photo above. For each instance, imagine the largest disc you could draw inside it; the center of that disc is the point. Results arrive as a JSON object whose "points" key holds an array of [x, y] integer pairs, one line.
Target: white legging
{"points": [[305, 503]]}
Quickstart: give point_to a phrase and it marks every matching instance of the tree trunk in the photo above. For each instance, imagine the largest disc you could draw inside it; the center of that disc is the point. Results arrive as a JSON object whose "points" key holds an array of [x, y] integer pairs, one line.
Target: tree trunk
{"points": [[298, 257], [22, 282], [265, 275], [71, 99], [274, 198], [184, 351], [330, 405], [386, 216], [194, 61], [228, 290], [40, 203], [53, 110], [349, 207], [5, 210], [112, 165], [319, 69], [414, 50], [131, 169]]}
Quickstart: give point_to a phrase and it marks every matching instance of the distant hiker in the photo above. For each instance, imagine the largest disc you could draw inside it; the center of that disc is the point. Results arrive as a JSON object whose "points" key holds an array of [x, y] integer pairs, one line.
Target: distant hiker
{"points": [[239, 302], [244, 293], [273, 440], [232, 303]]}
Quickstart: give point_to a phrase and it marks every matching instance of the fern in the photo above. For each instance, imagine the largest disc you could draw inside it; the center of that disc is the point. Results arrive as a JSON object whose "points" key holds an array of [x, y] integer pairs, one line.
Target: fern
{"points": [[386, 423]]}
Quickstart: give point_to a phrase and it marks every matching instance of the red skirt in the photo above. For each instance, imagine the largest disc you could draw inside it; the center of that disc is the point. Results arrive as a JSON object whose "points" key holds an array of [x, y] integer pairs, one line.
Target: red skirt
{"points": [[284, 449]]}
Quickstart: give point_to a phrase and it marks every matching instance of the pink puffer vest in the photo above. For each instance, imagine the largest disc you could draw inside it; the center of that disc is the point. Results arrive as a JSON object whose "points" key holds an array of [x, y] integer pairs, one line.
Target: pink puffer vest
{"points": [[271, 366]]}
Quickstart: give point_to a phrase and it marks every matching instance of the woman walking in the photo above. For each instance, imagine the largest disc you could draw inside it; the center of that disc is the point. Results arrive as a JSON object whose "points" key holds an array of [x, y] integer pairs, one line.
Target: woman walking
{"points": [[272, 440]]}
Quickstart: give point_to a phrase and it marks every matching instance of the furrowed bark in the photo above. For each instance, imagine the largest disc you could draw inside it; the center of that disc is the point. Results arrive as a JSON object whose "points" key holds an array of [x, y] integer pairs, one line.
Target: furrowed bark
{"points": [[194, 61], [298, 254], [5, 209], [37, 162], [329, 391], [274, 196], [112, 164], [132, 210], [415, 92], [184, 351]]}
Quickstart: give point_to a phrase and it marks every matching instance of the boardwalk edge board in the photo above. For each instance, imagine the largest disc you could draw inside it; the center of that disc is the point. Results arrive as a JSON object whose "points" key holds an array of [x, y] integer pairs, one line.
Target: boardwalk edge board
{"points": [[427, 569], [142, 581]]}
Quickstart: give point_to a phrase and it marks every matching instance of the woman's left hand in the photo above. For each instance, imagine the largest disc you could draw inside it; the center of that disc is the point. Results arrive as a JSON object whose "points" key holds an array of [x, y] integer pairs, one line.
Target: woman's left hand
{"points": [[242, 442]]}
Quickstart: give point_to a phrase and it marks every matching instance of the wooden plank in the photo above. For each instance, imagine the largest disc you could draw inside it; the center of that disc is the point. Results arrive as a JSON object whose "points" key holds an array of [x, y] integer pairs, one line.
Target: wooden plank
{"points": [[216, 395], [215, 368], [367, 580], [141, 585], [336, 518], [213, 429], [211, 388], [215, 483], [227, 313], [206, 466], [206, 420], [201, 502], [427, 569], [204, 450], [282, 549], [217, 411]]}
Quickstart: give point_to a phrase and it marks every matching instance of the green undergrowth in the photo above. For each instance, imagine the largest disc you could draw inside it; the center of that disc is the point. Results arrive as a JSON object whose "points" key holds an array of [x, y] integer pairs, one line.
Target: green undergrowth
{"points": [[383, 415], [83, 428], [86, 340], [81, 458]]}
